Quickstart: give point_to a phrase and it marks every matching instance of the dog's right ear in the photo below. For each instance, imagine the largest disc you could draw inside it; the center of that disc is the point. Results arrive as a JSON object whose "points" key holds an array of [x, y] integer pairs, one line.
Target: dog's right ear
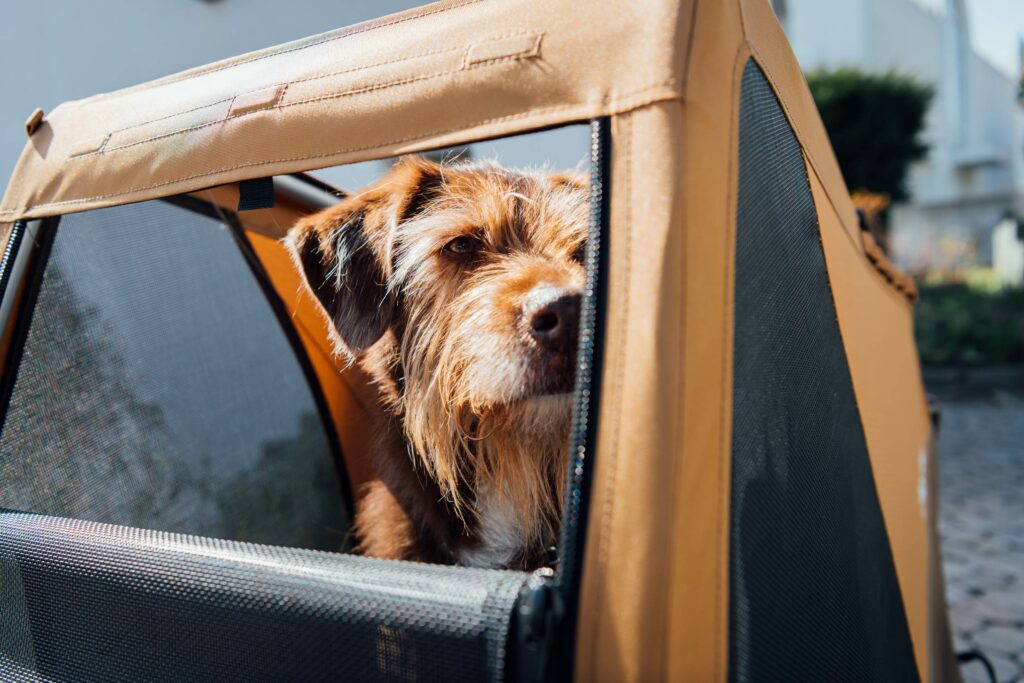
{"points": [[345, 251]]}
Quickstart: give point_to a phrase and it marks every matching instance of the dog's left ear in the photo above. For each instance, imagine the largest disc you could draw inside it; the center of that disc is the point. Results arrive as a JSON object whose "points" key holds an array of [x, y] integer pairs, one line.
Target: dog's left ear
{"points": [[345, 251]]}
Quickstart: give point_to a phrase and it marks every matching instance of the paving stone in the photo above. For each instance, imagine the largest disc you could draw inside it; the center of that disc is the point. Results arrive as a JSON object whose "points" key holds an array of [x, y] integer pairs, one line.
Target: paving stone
{"points": [[997, 608], [974, 672], [999, 639], [1007, 670], [962, 642], [966, 621], [990, 575], [981, 524]]}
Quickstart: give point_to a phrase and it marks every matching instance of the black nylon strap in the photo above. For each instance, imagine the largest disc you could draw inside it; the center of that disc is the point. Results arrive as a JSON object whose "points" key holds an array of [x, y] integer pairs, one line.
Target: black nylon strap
{"points": [[257, 193]]}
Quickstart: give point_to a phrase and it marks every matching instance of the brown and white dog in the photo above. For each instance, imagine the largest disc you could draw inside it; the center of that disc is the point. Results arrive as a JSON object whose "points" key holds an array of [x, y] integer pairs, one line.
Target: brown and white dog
{"points": [[457, 288]]}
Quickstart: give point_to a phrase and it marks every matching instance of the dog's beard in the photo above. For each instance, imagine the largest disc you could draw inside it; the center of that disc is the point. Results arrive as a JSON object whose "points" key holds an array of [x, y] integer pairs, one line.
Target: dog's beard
{"points": [[521, 455], [515, 450], [487, 414]]}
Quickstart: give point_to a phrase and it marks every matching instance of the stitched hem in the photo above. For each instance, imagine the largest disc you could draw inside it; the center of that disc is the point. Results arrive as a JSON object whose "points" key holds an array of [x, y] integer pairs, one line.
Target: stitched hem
{"points": [[610, 455], [722, 535], [616, 105], [355, 69]]}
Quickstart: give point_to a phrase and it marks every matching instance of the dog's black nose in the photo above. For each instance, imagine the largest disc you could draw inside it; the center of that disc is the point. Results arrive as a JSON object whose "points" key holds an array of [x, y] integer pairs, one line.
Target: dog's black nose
{"points": [[555, 324]]}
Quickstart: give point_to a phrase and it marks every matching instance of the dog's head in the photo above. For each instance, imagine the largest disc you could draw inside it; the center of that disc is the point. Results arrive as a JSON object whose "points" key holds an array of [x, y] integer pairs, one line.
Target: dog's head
{"points": [[458, 288]]}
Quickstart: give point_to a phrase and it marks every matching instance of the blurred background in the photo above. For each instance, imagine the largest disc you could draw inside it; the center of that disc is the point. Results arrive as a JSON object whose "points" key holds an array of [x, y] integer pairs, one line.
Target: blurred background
{"points": [[924, 103]]}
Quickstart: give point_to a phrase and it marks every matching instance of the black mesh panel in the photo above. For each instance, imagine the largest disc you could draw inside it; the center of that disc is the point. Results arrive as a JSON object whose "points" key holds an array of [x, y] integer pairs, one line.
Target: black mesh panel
{"points": [[82, 601], [156, 389], [813, 590]]}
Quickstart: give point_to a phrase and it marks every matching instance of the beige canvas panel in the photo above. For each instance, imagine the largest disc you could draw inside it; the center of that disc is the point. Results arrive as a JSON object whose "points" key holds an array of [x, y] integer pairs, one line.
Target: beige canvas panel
{"points": [[876, 324], [628, 556], [699, 605], [661, 482], [5, 235], [273, 222], [686, 636], [440, 75]]}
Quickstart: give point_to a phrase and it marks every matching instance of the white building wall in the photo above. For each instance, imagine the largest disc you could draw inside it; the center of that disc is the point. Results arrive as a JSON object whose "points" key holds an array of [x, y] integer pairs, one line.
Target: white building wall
{"points": [[907, 38], [954, 207], [826, 34], [1008, 252], [902, 36]]}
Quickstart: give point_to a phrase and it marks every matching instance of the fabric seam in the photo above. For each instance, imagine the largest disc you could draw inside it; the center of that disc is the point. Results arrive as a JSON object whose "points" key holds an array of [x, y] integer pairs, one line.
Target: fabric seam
{"points": [[612, 453], [791, 120], [365, 67], [612, 102], [283, 105], [723, 532]]}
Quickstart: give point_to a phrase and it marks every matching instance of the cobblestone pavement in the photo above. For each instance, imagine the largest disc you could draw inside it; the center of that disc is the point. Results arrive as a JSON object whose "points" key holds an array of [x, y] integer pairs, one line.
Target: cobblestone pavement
{"points": [[981, 468]]}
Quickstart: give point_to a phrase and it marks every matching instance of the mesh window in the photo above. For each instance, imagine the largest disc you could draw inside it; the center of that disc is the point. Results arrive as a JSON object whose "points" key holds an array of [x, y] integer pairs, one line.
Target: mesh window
{"points": [[90, 602], [156, 389], [813, 590], [158, 418]]}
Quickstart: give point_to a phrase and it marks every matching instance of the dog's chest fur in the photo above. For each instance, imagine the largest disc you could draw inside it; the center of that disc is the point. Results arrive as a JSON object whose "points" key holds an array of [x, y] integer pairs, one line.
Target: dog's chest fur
{"points": [[500, 539], [403, 515]]}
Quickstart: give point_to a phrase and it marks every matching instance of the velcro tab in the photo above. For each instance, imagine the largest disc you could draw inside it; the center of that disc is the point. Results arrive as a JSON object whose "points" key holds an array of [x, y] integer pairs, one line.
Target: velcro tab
{"points": [[257, 193]]}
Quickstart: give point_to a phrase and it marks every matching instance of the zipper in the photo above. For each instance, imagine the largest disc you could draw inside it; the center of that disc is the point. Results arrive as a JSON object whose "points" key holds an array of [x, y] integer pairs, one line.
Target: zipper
{"points": [[545, 618], [588, 371]]}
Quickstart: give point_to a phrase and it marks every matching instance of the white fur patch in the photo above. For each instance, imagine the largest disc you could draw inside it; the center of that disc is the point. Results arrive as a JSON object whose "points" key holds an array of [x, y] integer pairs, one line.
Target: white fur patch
{"points": [[500, 539]]}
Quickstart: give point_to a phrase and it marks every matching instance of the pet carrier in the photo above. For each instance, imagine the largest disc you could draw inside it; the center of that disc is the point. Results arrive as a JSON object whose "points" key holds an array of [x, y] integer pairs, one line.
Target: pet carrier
{"points": [[751, 494]]}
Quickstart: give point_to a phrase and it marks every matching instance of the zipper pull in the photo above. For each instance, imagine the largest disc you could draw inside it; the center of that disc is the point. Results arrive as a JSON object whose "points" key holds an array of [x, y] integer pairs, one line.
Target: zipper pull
{"points": [[538, 612]]}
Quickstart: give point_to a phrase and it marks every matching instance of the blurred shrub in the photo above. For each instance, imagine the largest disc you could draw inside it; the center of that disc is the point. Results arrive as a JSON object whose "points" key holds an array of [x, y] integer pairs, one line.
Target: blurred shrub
{"points": [[873, 121], [969, 323]]}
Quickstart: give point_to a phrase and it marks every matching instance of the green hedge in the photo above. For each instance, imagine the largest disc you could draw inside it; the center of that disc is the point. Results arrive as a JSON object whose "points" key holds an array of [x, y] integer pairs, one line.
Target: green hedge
{"points": [[874, 122], [959, 324]]}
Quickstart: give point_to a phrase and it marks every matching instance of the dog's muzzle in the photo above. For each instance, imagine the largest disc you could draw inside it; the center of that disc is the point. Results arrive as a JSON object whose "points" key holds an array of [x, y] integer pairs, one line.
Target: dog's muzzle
{"points": [[552, 318]]}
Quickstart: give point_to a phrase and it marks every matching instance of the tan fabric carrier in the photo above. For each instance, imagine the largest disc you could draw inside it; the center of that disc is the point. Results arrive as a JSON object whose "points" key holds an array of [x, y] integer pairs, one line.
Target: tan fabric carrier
{"points": [[661, 577]]}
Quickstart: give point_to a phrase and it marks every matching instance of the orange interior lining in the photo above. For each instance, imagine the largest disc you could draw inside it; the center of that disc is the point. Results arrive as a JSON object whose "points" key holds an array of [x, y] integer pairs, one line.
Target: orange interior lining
{"points": [[351, 400]]}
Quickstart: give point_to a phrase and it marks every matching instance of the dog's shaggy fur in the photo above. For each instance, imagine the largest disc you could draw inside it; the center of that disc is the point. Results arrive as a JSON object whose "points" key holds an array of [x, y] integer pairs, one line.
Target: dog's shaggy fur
{"points": [[457, 289]]}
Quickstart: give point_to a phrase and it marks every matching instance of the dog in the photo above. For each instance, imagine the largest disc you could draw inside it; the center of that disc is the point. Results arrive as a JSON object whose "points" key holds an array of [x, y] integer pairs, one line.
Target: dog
{"points": [[457, 288]]}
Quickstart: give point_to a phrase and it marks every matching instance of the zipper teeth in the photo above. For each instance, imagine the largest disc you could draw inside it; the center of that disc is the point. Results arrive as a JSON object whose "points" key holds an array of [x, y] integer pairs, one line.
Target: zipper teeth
{"points": [[586, 394], [6, 262]]}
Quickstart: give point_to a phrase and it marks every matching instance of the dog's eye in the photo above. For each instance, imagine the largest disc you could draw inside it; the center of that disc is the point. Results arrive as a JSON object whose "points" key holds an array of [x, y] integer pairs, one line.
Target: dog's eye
{"points": [[462, 245], [580, 253]]}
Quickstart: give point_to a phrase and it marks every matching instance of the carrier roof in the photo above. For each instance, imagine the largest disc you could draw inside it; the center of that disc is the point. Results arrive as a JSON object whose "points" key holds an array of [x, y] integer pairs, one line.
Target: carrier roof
{"points": [[441, 74]]}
